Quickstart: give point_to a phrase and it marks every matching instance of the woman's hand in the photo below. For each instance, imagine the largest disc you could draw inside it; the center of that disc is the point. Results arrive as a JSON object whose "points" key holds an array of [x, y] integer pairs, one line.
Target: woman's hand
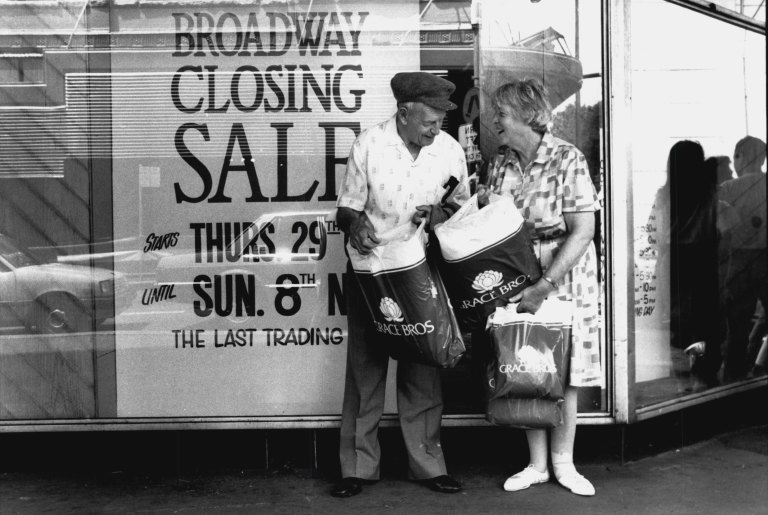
{"points": [[531, 298]]}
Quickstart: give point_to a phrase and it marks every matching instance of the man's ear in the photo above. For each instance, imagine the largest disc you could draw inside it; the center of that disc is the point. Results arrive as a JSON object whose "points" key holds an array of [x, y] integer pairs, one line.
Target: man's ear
{"points": [[402, 115]]}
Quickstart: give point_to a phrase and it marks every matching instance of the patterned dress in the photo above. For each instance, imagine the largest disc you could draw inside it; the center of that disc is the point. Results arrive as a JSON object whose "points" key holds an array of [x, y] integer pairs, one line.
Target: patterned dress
{"points": [[555, 182]]}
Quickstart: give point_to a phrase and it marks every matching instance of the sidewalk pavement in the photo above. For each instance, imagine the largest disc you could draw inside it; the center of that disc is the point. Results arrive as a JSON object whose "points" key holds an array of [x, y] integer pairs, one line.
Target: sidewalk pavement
{"points": [[725, 474]]}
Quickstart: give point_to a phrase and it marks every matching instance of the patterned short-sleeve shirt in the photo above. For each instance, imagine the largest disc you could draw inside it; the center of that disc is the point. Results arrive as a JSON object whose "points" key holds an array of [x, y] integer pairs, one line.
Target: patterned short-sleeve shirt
{"points": [[557, 181], [384, 180]]}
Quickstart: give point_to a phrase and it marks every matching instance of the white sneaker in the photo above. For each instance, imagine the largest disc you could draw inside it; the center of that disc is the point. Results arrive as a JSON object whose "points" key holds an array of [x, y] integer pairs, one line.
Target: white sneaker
{"points": [[576, 483], [525, 478]]}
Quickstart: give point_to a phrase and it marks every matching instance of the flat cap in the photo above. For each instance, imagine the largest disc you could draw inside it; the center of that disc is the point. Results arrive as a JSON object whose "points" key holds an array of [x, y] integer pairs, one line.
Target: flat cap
{"points": [[423, 87]]}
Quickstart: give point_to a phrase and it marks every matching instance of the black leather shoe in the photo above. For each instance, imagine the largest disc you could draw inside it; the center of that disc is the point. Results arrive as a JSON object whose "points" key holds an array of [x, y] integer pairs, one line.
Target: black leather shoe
{"points": [[347, 487], [442, 484]]}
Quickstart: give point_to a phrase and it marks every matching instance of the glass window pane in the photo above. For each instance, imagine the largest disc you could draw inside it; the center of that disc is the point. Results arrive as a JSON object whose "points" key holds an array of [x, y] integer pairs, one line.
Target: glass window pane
{"points": [[694, 99], [166, 172]]}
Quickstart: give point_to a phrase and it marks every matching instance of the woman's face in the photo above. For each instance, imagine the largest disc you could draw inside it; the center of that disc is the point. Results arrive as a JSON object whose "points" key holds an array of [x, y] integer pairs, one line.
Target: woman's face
{"points": [[509, 128]]}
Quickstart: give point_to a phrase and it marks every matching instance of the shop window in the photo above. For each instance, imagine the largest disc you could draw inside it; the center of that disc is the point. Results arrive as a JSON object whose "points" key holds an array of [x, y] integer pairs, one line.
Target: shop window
{"points": [[164, 199], [558, 44], [698, 111]]}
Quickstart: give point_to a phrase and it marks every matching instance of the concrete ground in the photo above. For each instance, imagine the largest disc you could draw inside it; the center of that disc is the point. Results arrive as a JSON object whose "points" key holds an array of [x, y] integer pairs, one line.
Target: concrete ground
{"points": [[727, 473]]}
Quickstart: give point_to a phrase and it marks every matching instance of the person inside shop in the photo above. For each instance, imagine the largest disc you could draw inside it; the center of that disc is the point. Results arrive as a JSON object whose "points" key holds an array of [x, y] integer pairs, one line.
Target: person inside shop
{"points": [[549, 181], [727, 220], [747, 276], [396, 172], [722, 166], [694, 259]]}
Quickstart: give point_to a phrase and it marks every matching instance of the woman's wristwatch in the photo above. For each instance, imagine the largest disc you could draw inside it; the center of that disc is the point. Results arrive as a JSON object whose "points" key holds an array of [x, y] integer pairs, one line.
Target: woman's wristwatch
{"points": [[550, 281]]}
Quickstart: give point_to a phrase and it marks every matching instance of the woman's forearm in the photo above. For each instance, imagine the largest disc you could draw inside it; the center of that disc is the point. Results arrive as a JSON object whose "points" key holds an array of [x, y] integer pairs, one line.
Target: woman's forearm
{"points": [[581, 230]]}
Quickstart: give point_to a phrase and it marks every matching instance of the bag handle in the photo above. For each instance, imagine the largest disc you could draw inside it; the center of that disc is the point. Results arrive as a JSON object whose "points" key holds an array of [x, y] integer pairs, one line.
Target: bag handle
{"points": [[402, 232]]}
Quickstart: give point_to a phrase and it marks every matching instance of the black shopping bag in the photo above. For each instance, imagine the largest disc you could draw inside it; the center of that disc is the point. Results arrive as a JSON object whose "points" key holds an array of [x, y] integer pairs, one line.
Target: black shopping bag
{"points": [[487, 258], [407, 301]]}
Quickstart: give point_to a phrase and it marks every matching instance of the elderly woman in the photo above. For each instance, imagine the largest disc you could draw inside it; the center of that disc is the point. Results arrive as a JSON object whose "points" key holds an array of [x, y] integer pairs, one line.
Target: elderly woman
{"points": [[549, 181]]}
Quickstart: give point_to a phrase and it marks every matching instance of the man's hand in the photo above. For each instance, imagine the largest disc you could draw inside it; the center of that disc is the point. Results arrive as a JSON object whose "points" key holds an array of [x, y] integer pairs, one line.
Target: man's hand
{"points": [[483, 196], [422, 213], [359, 229], [362, 235]]}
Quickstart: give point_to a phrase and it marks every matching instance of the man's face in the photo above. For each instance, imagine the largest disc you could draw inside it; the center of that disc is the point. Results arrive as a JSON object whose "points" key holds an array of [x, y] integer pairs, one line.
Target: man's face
{"points": [[739, 160], [748, 156], [422, 124]]}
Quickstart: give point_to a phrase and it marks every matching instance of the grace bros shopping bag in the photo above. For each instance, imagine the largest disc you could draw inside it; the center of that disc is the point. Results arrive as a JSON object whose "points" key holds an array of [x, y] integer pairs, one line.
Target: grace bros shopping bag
{"points": [[530, 352], [407, 300], [525, 413], [487, 258], [529, 368]]}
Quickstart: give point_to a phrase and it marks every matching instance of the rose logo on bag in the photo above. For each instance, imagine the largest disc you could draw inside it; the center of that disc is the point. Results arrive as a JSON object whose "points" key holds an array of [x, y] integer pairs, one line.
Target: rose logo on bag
{"points": [[390, 310], [488, 280]]}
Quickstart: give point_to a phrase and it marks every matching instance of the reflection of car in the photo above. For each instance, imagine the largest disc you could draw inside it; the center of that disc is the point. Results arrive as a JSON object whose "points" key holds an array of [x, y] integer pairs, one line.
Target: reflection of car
{"points": [[228, 261], [56, 297]]}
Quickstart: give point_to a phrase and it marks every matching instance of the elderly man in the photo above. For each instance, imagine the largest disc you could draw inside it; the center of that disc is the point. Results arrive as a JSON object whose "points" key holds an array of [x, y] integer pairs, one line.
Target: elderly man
{"points": [[747, 276], [398, 172]]}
